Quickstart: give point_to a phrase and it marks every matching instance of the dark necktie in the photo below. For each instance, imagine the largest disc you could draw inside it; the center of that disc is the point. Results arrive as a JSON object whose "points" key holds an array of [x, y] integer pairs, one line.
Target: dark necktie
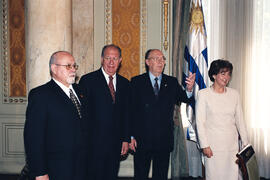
{"points": [[111, 87], [75, 102], [156, 89]]}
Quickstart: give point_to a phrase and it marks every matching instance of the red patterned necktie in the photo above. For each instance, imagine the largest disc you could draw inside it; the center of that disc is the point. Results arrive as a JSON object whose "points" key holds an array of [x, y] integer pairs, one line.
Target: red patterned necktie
{"points": [[111, 87]]}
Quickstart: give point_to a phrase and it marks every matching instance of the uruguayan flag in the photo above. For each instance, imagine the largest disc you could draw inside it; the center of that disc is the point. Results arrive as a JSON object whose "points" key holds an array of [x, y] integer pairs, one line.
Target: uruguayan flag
{"points": [[195, 60]]}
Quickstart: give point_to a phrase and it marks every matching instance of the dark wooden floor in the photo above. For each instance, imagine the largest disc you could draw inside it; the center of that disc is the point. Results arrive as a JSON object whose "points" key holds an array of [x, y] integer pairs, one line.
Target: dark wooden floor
{"points": [[15, 177]]}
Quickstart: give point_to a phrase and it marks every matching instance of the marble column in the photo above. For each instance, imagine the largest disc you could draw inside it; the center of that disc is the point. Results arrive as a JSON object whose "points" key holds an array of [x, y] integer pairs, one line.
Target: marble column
{"points": [[48, 29], [83, 35]]}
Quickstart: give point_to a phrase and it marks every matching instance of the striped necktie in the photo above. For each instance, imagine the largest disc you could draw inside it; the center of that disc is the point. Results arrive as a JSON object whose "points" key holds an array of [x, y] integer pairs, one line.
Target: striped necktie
{"points": [[75, 102]]}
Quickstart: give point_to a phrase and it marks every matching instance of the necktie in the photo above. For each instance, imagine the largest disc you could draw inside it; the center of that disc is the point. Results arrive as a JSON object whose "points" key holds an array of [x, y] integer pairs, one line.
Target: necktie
{"points": [[75, 102], [111, 87], [156, 89]]}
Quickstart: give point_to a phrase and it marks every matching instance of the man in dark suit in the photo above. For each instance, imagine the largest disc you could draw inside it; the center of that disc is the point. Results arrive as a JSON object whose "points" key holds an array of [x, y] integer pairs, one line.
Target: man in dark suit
{"points": [[107, 97], [54, 137], [153, 97]]}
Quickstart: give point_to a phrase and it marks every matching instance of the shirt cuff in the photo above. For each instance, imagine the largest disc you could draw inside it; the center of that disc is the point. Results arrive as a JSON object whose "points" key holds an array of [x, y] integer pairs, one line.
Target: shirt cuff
{"points": [[189, 94]]}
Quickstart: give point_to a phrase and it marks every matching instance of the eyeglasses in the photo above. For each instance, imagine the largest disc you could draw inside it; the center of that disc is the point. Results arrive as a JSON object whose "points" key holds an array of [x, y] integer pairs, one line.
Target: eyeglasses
{"points": [[156, 59], [111, 58], [69, 66]]}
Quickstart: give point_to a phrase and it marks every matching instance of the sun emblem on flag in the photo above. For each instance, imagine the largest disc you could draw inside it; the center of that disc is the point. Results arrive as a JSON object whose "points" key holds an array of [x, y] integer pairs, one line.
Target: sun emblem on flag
{"points": [[196, 18]]}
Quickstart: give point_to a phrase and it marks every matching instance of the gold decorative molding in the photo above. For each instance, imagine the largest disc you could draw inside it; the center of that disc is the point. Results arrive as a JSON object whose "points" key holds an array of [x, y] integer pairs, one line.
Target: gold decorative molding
{"points": [[6, 64], [143, 34], [108, 21], [165, 25]]}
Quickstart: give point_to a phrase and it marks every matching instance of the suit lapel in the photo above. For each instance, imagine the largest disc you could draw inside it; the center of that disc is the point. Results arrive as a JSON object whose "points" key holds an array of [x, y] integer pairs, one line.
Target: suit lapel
{"points": [[60, 94], [78, 93], [103, 84], [163, 86], [118, 88], [77, 90], [148, 86]]}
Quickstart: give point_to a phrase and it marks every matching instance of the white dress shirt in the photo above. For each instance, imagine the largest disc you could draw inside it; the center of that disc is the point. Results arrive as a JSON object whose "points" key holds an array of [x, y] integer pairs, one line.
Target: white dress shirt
{"points": [[66, 89], [107, 78], [153, 81]]}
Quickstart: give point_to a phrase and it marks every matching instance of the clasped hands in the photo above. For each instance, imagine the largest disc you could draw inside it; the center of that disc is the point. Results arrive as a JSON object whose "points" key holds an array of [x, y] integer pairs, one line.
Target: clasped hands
{"points": [[126, 146]]}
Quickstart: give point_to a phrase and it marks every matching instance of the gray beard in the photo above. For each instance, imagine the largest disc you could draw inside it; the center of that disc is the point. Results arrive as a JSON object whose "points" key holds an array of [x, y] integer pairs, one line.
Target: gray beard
{"points": [[71, 80]]}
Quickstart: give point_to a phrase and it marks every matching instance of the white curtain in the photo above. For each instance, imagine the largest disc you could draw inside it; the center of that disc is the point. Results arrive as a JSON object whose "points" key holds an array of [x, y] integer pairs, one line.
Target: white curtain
{"points": [[257, 86], [239, 31]]}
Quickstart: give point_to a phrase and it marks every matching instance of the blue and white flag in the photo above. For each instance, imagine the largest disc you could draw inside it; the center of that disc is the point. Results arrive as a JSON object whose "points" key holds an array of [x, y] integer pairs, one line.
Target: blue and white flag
{"points": [[195, 56]]}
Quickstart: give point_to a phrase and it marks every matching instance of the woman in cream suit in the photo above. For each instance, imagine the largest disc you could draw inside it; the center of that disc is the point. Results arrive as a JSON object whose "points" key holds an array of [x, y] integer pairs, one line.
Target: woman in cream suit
{"points": [[220, 123]]}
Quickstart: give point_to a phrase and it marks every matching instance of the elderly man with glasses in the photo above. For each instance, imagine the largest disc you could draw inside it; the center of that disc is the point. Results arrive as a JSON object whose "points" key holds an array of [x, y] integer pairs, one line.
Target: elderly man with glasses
{"points": [[153, 97], [107, 97], [54, 133]]}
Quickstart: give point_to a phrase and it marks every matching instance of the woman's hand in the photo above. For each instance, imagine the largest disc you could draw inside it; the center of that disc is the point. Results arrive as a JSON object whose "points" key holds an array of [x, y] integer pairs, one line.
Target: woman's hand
{"points": [[207, 152]]}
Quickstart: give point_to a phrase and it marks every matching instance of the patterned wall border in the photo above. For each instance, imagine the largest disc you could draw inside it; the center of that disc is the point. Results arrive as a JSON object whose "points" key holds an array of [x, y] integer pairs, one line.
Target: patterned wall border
{"points": [[143, 28], [143, 34], [166, 31], [164, 12], [108, 21], [5, 139], [5, 59]]}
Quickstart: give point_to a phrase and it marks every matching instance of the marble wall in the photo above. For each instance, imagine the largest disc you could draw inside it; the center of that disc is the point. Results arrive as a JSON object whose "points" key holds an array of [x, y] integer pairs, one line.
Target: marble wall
{"points": [[68, 25]]}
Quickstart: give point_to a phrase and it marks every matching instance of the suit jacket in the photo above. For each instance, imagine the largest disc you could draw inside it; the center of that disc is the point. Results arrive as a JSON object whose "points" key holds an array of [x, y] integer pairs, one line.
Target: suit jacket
{"points": [[152, 118], [108, 121], [53, 135]]}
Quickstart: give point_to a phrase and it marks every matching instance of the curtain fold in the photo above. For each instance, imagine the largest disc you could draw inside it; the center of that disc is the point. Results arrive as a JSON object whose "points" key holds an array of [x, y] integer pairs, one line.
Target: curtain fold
{"points": [[184, 160], [256, 89], [179, 157]]}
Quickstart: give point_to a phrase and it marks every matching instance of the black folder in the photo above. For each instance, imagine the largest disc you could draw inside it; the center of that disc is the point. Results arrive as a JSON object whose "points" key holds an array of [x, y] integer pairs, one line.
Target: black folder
{"points": [[248, 163]]}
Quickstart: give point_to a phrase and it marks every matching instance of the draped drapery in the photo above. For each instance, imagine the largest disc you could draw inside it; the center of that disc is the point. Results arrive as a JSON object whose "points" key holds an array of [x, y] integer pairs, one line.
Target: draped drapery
{"points": [[179, 158], [185, 157], [256, 85]]}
